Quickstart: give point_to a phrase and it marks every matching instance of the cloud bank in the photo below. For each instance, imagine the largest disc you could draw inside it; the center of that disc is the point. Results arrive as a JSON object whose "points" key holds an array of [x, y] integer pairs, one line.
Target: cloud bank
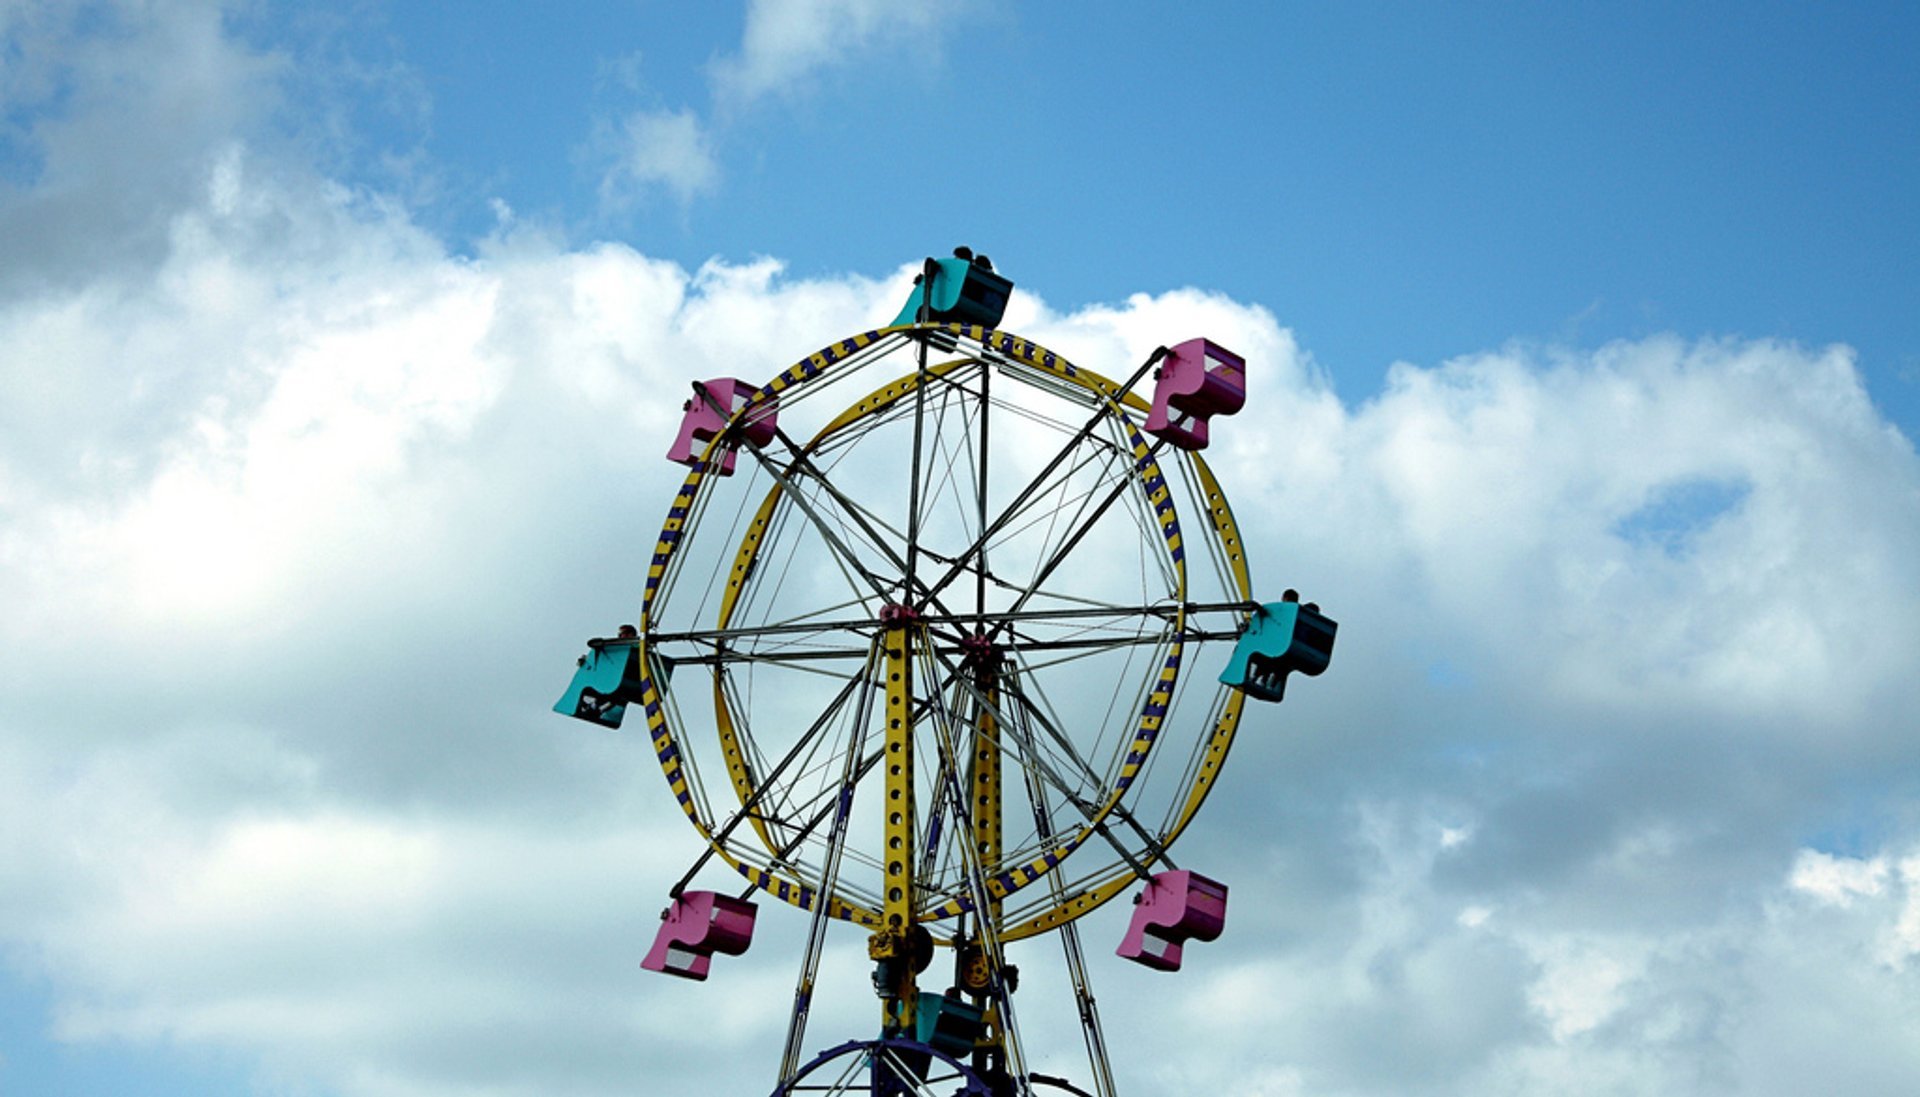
{"points": [[303, 515]]}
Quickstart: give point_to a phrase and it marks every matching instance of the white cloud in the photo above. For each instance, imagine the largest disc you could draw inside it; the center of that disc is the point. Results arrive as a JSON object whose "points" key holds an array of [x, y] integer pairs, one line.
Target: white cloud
{"points": [[787, 42], [1838, 880], [785, 46], [113, 109], [369, 542], [1902, 942], [1579, 986], [303, 517], [666, 149], [1511, 479]]}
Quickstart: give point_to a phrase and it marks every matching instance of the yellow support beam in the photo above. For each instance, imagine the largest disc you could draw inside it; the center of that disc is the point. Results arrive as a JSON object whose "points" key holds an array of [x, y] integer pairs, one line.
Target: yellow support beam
{"points": [[984, 780], [894, 945]]}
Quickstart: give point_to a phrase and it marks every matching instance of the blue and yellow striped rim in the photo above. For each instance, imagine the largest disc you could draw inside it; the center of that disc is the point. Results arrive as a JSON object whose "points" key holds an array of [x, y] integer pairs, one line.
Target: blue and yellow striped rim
{"points": [[1006, 880]]}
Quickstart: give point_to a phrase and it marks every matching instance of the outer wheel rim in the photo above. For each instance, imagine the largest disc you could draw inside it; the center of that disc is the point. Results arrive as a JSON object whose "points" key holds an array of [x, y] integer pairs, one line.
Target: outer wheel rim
{"points": [[1090, 892], [890, 1050]]}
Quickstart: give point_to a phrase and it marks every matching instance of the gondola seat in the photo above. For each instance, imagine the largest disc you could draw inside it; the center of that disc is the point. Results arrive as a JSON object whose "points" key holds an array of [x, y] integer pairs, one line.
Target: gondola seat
{"points": [[697, 925], [1281, 638], [714, 405], [1198, 380], [1178, 906]]}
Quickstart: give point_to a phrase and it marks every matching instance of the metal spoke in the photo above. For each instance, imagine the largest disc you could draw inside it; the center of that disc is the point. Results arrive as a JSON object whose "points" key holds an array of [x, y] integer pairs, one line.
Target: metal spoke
{"points": [[1017, 675], [1100, 414], [829, 876], [1162, 610], [1091, 1032]]}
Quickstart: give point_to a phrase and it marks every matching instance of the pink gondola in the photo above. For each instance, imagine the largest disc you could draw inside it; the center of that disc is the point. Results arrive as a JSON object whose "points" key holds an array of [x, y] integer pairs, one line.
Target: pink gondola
{"points": [[1198, 380], [697, 925], [1177, 906], [713, 406]]}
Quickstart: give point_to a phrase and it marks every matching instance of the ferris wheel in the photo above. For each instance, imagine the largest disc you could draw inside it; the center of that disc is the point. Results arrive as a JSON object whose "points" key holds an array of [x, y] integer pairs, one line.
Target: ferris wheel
{"points": [[947, 637]]}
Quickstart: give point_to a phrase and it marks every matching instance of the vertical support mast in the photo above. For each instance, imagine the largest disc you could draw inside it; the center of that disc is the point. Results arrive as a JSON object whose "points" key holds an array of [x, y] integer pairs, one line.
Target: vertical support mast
{"points": [[981, 962], [985, 785], [900, 948]]}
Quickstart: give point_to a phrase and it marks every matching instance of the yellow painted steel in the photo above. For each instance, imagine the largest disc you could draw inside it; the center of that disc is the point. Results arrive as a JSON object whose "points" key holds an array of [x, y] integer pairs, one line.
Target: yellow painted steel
{"points": [[738, 771], [665, 744], [893, 941], [1214, 753], [1088, 896], [1147, 732], [897, 763], [1220, 517], [983, 781], [747, 555], [1002, 884]]}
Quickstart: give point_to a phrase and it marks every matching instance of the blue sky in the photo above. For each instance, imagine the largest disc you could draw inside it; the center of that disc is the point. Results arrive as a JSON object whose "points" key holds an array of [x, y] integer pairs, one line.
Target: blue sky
{"points": [[45, 1068], [337, 343], [1405, 181]]}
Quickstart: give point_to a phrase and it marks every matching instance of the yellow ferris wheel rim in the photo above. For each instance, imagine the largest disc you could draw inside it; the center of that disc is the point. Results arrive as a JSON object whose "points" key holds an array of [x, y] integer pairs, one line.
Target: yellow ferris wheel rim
{"points": [[1087, 894]]}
